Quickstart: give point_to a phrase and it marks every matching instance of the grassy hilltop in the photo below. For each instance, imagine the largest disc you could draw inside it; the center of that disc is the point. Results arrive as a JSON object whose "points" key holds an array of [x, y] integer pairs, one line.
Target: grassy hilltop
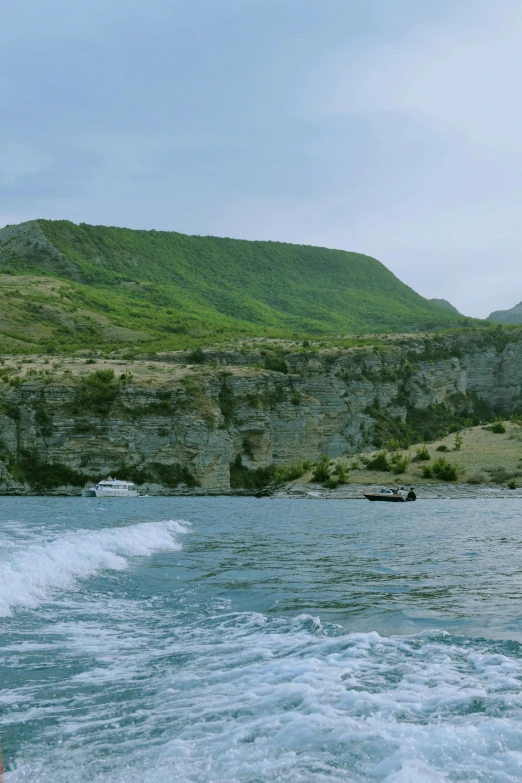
{"points": [[65, 286]]}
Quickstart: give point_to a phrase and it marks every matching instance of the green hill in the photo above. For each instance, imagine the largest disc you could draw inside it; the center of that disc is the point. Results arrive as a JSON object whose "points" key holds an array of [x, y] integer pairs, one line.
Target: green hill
{"points": [[512, 316], [76, 285]]}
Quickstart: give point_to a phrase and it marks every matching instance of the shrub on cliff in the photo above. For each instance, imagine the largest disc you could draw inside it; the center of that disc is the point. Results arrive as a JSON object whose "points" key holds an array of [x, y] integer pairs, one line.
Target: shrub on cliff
{"points": [[96, 392], [173, 475], [196, 357], [42, 475], [275, 362], [243, 478]]}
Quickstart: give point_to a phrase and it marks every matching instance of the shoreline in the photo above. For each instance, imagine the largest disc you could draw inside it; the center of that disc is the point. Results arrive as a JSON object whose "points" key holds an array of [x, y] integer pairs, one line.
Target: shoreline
{"points": [[424, 491]]}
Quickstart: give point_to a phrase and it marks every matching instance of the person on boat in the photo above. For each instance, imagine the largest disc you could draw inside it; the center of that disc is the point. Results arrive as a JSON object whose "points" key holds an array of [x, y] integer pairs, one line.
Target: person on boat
{"points": [[411, 494]]}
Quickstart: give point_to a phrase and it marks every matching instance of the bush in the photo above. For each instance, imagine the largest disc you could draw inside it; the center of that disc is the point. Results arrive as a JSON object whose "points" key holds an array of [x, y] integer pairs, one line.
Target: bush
{"points": [[243, 478], [498, 428], [341, 471], [96, 392], [399, 463], [512, 485], [379, 462], [332, 483], [458, 442], [134, 473], [321, 472], [284, 473], [275, 363], [11, 409], [43, 421], [442, 447], [477, 478], [173, 475], [45, 475], [500, 475], [196, 357], [421, 454], [442, 470], [227, 403]]}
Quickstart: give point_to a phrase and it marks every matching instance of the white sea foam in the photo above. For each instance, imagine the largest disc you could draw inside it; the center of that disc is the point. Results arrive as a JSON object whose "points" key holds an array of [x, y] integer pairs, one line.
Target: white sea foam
{"points": [[32, 574], [281, 701], [166, 682]]}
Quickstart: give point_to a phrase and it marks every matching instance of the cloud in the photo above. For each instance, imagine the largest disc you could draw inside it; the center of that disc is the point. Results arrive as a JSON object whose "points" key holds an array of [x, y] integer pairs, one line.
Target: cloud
{"points": [[440, 102], [461, 78]]}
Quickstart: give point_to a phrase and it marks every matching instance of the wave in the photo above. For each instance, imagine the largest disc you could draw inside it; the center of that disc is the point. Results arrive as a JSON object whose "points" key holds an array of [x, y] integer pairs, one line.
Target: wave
{"points": [[32, 575]]}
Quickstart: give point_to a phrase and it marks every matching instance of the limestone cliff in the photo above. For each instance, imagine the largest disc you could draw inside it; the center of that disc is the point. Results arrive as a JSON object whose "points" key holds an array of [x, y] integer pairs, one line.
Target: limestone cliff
{"points": [[184, 426]]}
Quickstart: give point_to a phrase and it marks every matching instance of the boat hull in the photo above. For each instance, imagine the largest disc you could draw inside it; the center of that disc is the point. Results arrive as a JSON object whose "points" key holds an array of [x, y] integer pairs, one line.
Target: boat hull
{"points": [[109, 493], [115, 493], [89, 493], [384, 498]]}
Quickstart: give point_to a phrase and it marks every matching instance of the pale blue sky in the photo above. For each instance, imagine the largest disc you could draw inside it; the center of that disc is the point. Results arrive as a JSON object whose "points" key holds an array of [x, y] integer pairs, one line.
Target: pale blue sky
{"points": [[390, 127]]}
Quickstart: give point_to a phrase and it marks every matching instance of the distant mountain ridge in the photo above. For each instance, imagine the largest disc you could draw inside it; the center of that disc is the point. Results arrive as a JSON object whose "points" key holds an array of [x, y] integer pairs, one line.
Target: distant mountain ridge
{"points": [[447, 305], [172, 290], [512, 316]]}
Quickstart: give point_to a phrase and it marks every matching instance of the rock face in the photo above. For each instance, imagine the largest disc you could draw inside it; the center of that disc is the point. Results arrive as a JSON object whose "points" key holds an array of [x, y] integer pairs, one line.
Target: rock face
{"points": [[187, 431], [513, 316]]}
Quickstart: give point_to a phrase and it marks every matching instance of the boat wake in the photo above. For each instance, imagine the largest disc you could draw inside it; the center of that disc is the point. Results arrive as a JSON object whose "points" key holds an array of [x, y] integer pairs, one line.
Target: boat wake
{"points": [[243, 698], [32, 575]]}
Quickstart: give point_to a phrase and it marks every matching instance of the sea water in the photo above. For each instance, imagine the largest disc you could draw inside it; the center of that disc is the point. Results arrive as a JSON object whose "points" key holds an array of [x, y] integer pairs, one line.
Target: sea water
{"points": [[241, 640]]}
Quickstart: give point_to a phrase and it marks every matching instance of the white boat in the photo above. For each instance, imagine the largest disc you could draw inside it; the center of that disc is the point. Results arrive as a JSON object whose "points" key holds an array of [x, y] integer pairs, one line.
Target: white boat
{"points": [[112, 488]]}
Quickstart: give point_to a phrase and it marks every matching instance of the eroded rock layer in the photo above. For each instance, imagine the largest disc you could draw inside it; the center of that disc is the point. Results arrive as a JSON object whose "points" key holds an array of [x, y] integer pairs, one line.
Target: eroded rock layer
{"points": [[184, 429]]}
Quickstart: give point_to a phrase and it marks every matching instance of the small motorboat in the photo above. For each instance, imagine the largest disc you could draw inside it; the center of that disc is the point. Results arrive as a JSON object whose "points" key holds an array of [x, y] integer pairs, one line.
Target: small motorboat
{"points": [[390, 495]]}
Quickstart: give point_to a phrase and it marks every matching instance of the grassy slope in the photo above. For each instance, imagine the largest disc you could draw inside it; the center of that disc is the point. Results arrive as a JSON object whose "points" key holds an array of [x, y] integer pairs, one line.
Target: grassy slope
{"points": [[484, 457], [184, 290]]}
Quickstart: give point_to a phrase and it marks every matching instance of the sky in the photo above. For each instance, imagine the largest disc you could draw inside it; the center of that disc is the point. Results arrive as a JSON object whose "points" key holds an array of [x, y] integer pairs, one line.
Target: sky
{"points": [[387, 127]]}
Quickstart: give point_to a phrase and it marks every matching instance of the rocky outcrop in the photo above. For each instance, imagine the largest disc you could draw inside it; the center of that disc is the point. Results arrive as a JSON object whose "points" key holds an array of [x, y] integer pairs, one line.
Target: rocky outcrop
{"points": [[186, 432]]}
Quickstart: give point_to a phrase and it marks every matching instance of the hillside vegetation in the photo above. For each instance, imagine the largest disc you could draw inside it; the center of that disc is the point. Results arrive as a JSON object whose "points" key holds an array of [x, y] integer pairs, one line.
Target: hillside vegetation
{"points": [[65, 286], [512, 316], [488, 455]]}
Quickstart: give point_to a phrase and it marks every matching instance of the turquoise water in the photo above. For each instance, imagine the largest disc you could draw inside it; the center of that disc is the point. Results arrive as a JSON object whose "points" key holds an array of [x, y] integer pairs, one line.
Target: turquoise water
{"points": [[234, 640]]}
